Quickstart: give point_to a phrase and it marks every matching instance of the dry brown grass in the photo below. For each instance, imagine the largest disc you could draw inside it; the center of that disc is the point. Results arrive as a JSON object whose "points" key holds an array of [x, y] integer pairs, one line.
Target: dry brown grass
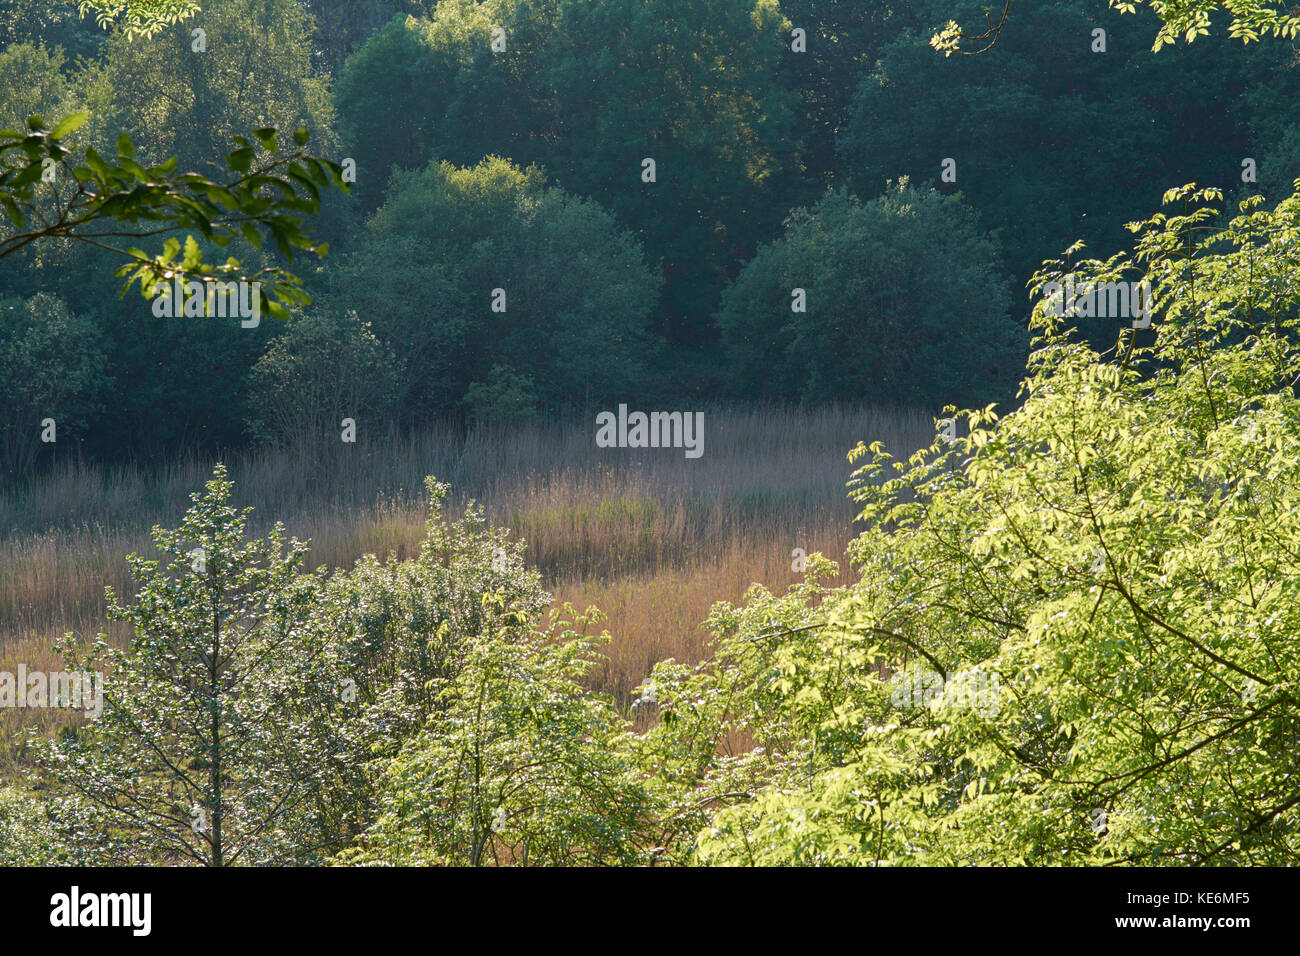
{"points": [[649, 536]]}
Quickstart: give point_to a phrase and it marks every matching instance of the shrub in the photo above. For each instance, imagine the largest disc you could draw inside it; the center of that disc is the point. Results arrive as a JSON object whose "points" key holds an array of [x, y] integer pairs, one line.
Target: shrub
{"points": [[324, 368], [52, 365], [506, 398], [517, 764]]}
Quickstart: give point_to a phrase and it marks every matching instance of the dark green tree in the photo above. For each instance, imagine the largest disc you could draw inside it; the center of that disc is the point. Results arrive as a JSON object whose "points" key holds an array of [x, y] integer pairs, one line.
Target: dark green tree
{"points": [[899, 299], [464, 269]]}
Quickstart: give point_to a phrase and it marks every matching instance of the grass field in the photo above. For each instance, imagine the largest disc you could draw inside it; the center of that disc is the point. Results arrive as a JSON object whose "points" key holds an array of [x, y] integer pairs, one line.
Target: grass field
{"points": [[650, 537]]}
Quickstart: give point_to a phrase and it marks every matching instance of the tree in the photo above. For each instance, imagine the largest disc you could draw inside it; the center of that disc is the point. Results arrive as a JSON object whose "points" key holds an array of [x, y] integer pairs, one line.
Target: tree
{"points": [[518, 763], [208, 747], [101, 202], [177, 96], [434, 88], [52, 23], [841, 43], [402, 629], [138, 18], [1251, 19], [895, 300], [1058, 132], [507, 398], [343, 25], [31, 82], [325, 367], [1087, 604], [694, 88], [464, 269], [53, 379]]}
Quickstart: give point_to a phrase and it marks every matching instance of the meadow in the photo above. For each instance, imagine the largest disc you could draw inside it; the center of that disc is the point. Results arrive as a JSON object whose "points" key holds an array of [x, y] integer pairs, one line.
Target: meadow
{"points": [[650, 537]]}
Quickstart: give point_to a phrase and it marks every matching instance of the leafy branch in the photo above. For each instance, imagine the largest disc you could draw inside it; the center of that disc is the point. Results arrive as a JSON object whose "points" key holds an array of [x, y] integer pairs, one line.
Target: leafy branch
{"points": [[119, 199], [138, 18], [948, 40]]}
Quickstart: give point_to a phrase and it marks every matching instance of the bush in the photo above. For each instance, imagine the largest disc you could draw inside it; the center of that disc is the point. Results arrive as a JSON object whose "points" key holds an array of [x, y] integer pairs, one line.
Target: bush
{"points": [[324, 368], [26, 838], [507, 398], [517, 764], [52, 365], [401, 624]]}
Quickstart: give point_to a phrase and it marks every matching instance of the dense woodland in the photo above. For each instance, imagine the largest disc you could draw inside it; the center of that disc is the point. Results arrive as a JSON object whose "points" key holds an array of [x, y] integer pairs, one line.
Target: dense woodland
{"points": [[479, 170], [1063, 631]]}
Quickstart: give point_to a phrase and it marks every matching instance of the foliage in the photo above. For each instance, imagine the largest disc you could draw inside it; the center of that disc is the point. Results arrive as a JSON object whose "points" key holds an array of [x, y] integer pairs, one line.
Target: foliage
{"points": [[577, 293], [254, 69], [208, 749], [343, 25], [31, 81], [35, 831], [397, 629], [518, 763], [141, 200], [425, 88], [903, 303], [1054, 142], [138, 18], [694, 765], [1139, 618], [403, 624], [1069, 639], [843, 41], [52, 366], [26, 838], [325, 367], [506, 398], [1251, 20], [52, 23], [693, 87]]}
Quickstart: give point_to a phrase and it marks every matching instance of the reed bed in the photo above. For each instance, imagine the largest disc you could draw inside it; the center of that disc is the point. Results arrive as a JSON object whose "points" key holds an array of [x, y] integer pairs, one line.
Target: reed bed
{"points": [[649, 536]]}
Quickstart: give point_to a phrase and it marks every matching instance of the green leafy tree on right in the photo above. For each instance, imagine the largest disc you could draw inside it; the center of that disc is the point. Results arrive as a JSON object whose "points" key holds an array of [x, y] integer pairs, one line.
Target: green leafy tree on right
{"points": [[1073, 637]]}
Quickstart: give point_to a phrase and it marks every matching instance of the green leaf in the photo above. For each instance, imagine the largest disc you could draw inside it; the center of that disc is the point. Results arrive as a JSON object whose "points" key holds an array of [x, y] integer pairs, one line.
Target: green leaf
{"points": [[193, 254], [70, 123], [266, 136], [241, 159], [11, 209]]}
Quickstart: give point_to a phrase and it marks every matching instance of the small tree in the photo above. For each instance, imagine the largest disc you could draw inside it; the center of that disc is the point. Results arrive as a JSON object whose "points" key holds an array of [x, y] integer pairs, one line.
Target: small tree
{"points": [[507, 398], [324, 368], [518, 763], [207, 746], [402, 628]]}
